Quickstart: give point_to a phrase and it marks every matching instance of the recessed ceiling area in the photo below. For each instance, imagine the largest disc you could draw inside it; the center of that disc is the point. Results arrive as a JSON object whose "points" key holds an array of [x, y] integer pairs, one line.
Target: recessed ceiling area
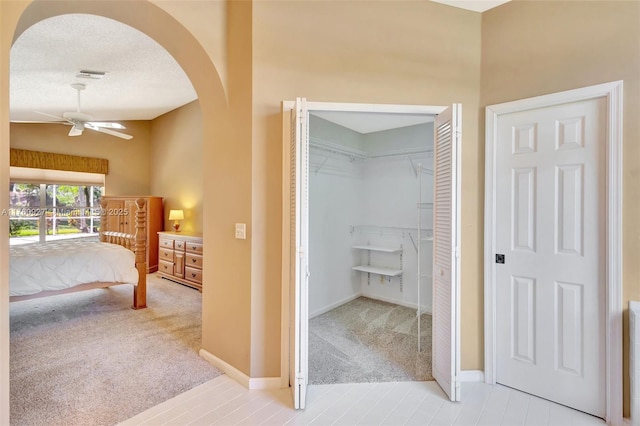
{"points": [[369, 122], [475, 5], [142, 80]]}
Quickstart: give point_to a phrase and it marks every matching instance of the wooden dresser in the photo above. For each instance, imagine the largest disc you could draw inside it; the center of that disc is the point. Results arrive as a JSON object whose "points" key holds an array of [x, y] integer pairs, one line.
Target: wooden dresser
{"points": [[180, 257], [121, 211]]}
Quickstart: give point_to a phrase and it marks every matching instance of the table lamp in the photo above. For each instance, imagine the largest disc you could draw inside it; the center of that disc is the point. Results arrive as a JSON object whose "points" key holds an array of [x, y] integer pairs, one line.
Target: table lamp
{"points": [[176, 216]]}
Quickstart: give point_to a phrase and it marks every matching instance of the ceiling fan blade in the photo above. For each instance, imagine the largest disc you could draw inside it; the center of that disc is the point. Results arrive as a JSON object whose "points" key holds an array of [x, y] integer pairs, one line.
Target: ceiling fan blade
{"points": [[106, 125], [76, 131], [52, 116], [108, 131], [66, 123]]}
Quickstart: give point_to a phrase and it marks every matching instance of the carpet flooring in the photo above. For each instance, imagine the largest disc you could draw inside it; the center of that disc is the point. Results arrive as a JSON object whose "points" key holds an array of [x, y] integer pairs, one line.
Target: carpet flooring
{"points": [[367, 340], [87, 358]]}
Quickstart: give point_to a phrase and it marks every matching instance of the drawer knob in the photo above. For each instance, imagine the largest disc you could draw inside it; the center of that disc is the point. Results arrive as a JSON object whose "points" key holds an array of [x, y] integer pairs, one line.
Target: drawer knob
{"points": [[193, 275], [193, 260]]}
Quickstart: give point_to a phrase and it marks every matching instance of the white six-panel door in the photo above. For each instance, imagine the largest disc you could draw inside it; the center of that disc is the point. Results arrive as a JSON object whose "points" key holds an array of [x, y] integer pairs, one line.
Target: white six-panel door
{"points": [[550, 244]]}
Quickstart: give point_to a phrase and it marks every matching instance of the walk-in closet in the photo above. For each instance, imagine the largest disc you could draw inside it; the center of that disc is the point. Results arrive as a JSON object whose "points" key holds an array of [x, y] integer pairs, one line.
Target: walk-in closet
{"points": [[370, 247]]}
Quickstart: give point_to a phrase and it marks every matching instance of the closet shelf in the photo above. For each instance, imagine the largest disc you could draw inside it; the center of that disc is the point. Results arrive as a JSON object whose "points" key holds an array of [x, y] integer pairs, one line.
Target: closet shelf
{"points": [[379, 248], [356, 154], [377, 270]]}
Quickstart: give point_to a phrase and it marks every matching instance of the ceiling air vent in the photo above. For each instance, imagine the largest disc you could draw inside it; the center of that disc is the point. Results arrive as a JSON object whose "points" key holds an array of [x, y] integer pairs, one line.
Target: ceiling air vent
{"points": [[94, 75]]}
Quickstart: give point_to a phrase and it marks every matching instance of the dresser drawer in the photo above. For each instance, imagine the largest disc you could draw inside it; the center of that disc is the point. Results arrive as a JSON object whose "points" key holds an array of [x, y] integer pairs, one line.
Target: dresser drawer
{"points": [[193, 274], [164, 243], [166, 254], [193, 260], [178, 245], [165, 267], [194, 248]]}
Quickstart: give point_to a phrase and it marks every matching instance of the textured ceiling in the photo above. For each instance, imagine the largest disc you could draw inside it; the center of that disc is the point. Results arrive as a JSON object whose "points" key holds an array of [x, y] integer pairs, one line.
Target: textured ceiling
{"points": [[142, 80]]}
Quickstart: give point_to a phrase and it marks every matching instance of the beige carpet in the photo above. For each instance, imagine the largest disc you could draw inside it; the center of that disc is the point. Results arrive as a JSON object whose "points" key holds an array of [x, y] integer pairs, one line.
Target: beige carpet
{"points": [[89, 359], [367, 340]]}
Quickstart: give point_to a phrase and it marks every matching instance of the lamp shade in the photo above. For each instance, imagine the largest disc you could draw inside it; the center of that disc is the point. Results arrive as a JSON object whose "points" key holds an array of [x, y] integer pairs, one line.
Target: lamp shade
{"points": [[176, 215]]}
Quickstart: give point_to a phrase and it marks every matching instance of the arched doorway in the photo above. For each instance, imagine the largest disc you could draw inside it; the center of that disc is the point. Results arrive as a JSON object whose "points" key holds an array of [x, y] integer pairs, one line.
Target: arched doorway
{"points": [[151, 20]]}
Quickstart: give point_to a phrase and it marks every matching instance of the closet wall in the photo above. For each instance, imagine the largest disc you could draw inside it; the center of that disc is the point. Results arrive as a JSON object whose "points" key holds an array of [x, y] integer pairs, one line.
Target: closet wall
{"points": [[391, 193], [367, 195], [336, 202]]}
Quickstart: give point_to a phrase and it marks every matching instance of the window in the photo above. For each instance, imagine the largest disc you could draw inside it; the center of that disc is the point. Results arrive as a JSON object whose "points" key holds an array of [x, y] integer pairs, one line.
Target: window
{"points": [[45, 211]]}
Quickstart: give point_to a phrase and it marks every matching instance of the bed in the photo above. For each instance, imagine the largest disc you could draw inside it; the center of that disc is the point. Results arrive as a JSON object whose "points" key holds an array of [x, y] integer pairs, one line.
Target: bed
{"points": [[66, 266]]}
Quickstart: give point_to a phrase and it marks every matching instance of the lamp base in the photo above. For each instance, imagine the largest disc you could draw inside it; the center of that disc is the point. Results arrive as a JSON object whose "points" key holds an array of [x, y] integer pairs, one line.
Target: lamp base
{"points": [[176, 226]]}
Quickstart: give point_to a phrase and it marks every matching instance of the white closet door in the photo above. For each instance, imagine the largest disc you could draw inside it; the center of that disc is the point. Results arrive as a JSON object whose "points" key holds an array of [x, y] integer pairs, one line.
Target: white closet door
{"points": [[446, 243], [299, 250]]}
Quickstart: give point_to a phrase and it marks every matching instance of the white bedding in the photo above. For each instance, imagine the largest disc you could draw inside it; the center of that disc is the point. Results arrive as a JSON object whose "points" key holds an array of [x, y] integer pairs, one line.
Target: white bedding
{"points": [[57, 265]]}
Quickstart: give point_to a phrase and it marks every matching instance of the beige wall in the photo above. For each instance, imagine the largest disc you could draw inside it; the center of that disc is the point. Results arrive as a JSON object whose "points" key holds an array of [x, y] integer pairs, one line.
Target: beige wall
{"points": [[207, 21], [227, 301], [534, 48], [370, 52], [176, 164], [220, 151], [365, 52], [129, 169]]}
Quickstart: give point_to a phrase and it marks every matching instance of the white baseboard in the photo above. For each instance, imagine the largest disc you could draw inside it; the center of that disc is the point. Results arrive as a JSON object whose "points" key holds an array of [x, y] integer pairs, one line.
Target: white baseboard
{"points": [[239, 376], [425, 309], [334, 305], [265, 383], [471, 376]]}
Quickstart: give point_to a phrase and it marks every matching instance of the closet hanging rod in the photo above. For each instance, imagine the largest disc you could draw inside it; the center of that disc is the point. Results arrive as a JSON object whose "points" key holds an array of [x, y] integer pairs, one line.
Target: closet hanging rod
{"points": [[403, 152], [399, 228], [356, 154], [335, 148]]}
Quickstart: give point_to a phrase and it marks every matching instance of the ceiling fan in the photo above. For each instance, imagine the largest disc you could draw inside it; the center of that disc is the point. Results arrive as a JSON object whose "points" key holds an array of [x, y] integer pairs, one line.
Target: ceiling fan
{"points": [[81, 121]]}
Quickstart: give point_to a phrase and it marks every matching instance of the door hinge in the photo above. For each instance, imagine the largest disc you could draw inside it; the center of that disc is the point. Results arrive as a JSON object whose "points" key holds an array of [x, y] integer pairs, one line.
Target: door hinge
{"points": [[300, 381], [300, 115]]}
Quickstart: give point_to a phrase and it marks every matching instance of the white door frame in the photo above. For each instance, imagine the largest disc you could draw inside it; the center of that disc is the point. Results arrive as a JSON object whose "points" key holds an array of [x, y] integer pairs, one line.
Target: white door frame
{"points": [[613, 314], [286, 185]]}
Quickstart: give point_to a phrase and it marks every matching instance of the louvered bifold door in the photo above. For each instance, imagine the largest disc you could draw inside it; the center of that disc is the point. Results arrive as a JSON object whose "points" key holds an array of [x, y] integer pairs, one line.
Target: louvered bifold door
{"points": [[446, 243], [299, 252]]}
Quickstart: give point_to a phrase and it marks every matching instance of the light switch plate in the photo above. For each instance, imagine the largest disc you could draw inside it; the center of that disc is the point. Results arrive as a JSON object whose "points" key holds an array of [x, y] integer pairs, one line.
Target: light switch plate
{"points": [[241, 231]]}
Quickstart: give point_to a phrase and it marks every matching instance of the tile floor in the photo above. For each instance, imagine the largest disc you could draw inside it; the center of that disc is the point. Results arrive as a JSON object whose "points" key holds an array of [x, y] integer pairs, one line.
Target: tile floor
{"points": [[225, 402]]}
